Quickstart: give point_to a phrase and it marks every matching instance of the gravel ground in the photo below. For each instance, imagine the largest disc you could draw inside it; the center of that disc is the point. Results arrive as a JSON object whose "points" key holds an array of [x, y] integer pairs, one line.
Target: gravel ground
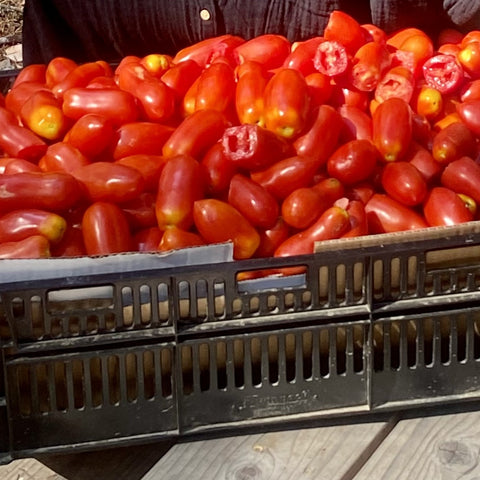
{"points": [[11, 34]]}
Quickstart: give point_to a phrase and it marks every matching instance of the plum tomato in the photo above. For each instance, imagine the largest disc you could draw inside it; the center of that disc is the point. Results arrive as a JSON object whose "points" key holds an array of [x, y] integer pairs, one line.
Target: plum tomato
{"points": [[403, 182]]}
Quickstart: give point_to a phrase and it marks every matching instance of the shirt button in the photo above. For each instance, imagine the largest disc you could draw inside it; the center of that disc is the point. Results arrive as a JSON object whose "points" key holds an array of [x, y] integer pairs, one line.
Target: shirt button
{"points": [[205, 14]]}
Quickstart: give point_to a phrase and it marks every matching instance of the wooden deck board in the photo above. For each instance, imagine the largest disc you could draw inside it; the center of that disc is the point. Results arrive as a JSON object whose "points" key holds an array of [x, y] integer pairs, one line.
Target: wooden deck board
{"points": [[443, 447], [324, 453]]}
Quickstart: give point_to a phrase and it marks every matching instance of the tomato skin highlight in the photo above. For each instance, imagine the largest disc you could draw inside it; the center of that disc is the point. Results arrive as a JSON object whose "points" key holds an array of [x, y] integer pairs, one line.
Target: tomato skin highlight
{"points": [[105, 229], [387, 215], [180, 185], [331, 224], [62, 157], [253, 201], [392, 128], [444, 207], [219, 222], [35, 246]]}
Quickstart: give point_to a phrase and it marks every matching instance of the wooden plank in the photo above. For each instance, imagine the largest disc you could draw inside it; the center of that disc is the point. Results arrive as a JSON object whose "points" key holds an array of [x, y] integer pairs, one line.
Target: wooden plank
{"points": [[27, 469], [443, 447], [329, 452]]}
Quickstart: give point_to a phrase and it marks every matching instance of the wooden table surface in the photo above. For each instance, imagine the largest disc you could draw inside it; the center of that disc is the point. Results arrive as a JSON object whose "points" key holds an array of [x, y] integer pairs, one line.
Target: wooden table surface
{"points": [[436, 445]]}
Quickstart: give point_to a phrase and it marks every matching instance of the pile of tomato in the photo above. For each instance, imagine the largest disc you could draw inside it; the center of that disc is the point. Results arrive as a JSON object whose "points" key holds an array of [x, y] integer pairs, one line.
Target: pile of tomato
{"points": [[269, 144]]}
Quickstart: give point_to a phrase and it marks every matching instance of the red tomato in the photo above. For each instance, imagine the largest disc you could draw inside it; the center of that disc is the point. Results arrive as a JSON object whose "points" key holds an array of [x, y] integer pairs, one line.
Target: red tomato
{"points": [[332, 223], [375, 33], [36, 246], [353, 161], [357, 124], [469, 113], [285, 176], [34, 72], [331, 58], [140, 211], [271, 238], [195, 134], [286, 103], [57, 69], [91, 134], [470, 90], [403, 182], [16, 97], [179, 77], [253, 147], [303, 206], [419, 44], [62, 157], [179, 186], [150, 166], [249, 93], [398, 82], [17, 141], [79, 76], [53, 191], [469, 58], [348, 95], [116, 105], [429, 102], [141, 138], [392, 128], [461, 176], [369, 63], [206, 51], [320, 140], [71, 244], [331, 189], [42, 113], [110, 182], [358, 219], [422, 159], [147, 239], [174, 238], [20, 224], [218, 170], [219, 222], [443, 72], [386, 215], [320, 88], [156, 63], [18, 165], [270, 50], [343, 28], [445, 207], [253, 201], [302, 54], [105, 229], [454, 141], [156, 99]]}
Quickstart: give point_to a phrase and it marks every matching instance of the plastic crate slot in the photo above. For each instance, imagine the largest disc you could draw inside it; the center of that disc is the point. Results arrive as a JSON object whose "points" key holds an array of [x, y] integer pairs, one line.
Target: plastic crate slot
{"points": [[5, 332], [164, 310]]}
